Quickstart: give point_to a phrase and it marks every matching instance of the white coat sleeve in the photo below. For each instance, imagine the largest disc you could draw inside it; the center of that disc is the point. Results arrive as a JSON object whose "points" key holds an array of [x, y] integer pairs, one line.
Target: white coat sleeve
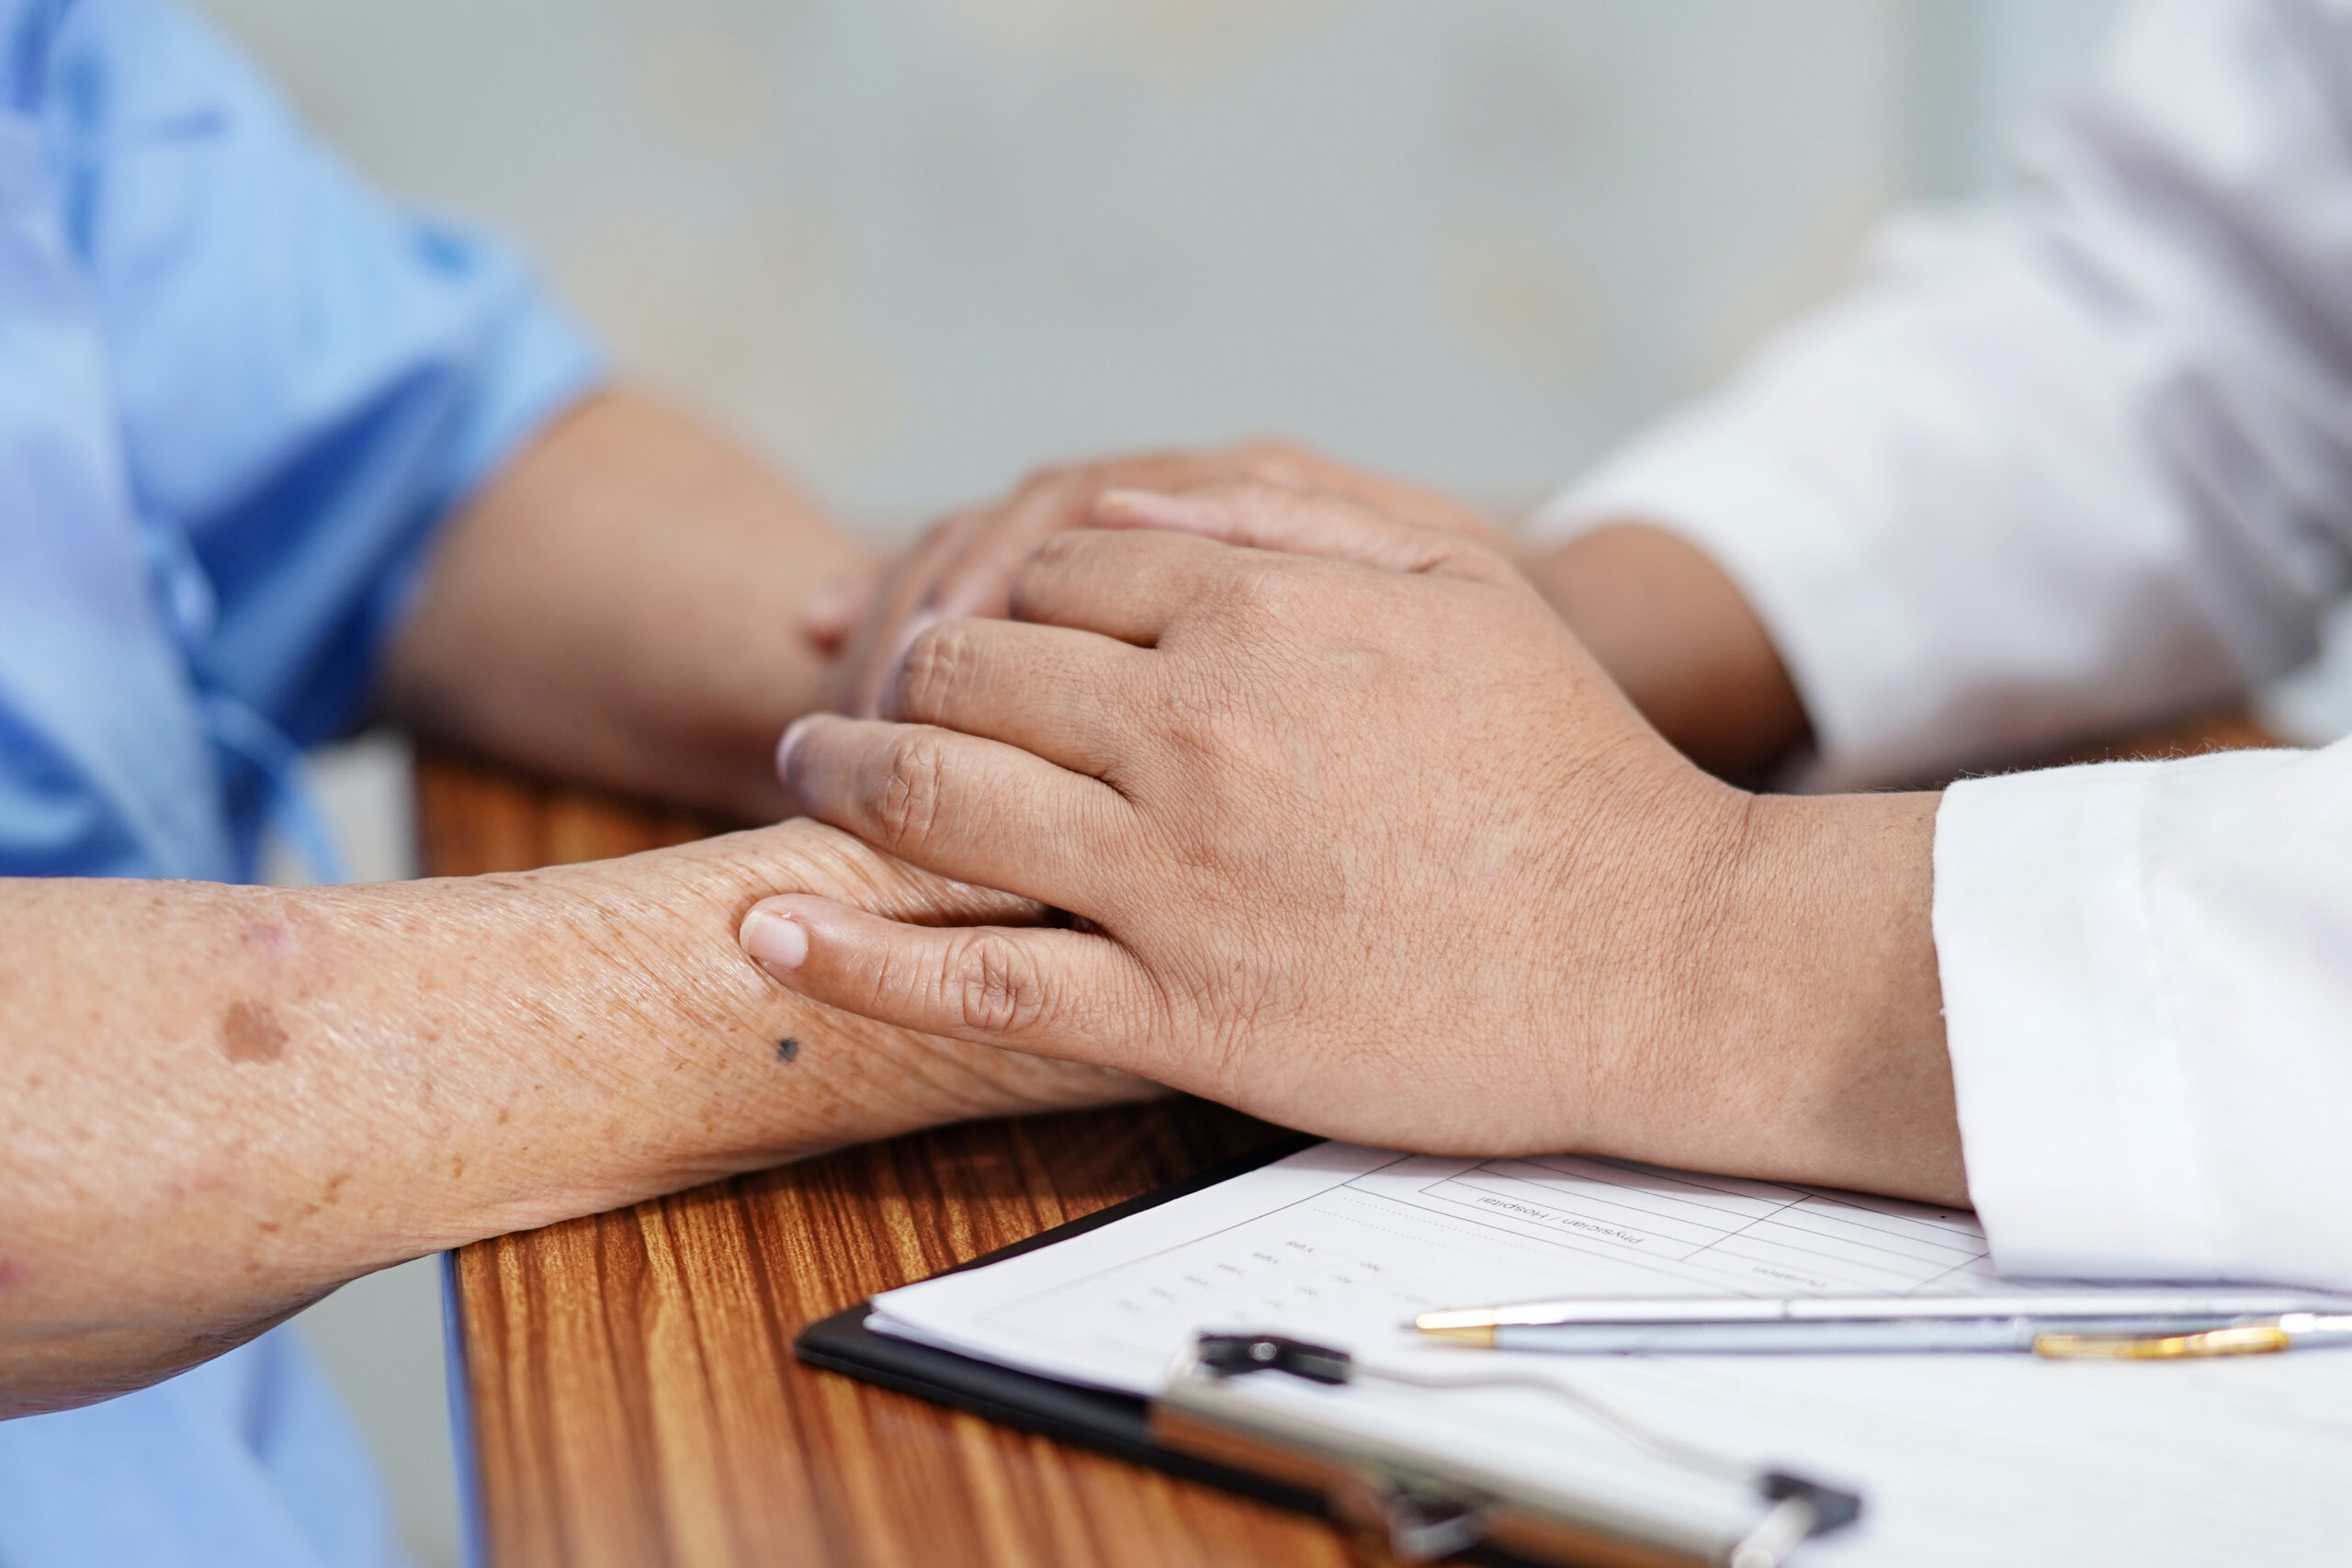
{"points": [[2147, 978], [2059, 468], [2068, 464]]}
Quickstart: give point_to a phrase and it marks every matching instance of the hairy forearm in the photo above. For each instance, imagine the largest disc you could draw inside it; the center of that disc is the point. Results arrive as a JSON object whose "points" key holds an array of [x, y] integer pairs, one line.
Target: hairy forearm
{"points": [[219, 1102], [624, 604]]}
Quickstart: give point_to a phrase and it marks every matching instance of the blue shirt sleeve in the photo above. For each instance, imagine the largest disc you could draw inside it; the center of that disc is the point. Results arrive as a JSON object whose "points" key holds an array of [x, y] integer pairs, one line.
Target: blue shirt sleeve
{"points": [[309, 377], [248, 1461]]}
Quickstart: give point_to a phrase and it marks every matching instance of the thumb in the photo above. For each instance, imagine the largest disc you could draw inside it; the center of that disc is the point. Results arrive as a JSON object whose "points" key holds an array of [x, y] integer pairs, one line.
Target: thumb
{"points": [[1050, 992]]}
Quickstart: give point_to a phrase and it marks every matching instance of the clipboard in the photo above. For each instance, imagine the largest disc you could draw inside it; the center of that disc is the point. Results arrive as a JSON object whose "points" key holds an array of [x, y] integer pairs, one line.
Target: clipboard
{"points": [[1115, 1424], [1417, 1507]]}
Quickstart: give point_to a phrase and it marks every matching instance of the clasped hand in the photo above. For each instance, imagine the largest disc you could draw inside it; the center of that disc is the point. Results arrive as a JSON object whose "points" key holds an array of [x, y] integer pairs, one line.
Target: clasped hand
{"points": [[1350, 828], [964, 565]]}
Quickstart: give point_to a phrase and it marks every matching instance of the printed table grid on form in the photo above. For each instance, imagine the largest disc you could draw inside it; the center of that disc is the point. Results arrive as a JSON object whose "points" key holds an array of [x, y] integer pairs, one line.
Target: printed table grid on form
{"points": [[1967, 1460], [1420, 1233], [1751, 1234]]}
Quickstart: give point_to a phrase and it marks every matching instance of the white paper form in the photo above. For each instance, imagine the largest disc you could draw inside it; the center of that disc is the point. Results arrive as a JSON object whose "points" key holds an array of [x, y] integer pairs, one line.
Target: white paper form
{"points": [[1963, 1457]]}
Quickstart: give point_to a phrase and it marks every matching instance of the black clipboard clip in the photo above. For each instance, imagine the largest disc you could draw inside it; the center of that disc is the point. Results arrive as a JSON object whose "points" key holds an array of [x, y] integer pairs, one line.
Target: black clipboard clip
{"points": [[1424, 1504]]}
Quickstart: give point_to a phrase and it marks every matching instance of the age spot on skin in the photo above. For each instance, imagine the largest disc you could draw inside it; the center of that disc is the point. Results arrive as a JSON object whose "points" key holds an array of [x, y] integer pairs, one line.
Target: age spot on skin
{"points": [[787, 1050], [250, 1032]]}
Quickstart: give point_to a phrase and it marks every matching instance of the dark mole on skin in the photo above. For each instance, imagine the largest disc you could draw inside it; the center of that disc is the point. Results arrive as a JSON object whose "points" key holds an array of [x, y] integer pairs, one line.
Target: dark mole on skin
{"points": [[250, 1032], [787, 1049]]}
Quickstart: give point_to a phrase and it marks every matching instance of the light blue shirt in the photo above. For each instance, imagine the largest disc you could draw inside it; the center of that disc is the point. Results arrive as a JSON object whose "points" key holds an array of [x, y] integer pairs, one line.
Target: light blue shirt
{"points": [[238, 393]]}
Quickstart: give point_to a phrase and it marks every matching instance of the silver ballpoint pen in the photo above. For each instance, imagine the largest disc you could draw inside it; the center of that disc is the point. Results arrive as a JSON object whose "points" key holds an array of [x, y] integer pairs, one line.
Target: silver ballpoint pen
{"points": [[2160, 1324]]}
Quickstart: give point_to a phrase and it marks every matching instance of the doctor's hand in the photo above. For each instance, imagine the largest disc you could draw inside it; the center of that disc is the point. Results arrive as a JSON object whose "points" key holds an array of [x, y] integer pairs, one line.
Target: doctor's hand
{"points": [[964, 564], [1360, 839]]}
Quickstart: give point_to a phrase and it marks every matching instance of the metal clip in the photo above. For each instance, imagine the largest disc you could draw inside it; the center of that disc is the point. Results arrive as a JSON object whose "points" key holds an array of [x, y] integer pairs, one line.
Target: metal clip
{"points": [[1419, 1526], [1800, 1510], [1235, 1355]]}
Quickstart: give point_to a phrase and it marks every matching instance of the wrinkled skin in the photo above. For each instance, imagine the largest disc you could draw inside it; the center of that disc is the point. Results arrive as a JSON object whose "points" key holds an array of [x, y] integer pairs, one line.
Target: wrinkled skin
{"points": [[1359, 839], [964, 564], [359, 1075]]}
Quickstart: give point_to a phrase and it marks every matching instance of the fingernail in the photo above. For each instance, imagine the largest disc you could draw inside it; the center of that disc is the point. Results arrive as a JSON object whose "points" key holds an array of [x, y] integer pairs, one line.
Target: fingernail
{"points": [[792, 734], [921, 621], [775, 942], [1150, 507], [926, 616], [1130, 500]]}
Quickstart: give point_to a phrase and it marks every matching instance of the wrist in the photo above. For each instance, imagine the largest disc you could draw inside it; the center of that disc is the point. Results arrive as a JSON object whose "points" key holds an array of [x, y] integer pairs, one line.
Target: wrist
{"points": [[1652, 917], [732, 1071], [1823, 1028]]}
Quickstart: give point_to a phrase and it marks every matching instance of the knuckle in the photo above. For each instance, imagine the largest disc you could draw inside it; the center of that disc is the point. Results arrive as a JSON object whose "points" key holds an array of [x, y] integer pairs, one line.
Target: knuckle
{"points": [[1200, 734], [1263, 594], [1057, 550], [906, 806], [1054, 558], [991, 986], [936, 670]]}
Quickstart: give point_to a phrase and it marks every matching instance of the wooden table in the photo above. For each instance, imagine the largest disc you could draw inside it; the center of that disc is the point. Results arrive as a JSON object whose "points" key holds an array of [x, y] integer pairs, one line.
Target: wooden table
{"points": [[631, 1391], [630, 1386]]}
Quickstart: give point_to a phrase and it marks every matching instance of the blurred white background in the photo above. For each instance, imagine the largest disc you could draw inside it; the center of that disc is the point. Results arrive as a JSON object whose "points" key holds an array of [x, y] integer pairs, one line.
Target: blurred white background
{"points": [[911, 247]]}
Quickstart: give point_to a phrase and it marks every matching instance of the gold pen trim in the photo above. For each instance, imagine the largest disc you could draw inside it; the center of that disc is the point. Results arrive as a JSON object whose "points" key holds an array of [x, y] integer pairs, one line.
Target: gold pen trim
{"points": [[1479, 1333], [2252, 1340], [1457, 1317]]}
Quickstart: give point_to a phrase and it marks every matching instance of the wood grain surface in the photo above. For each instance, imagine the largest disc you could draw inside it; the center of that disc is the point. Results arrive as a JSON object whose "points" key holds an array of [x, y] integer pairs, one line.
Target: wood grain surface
{"points": [[632, 1394], [633, 1398]]}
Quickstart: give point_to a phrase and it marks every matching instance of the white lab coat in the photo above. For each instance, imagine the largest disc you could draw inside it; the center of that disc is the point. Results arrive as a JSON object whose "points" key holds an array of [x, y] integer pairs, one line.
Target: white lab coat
{"points": [[2057, 469]]}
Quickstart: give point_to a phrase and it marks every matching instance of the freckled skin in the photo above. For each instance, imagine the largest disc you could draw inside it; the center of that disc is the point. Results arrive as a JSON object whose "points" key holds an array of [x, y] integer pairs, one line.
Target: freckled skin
{"points": [[596, 1036], [1327, 785], [413, 1067], [250, 1033], [619, 604]]}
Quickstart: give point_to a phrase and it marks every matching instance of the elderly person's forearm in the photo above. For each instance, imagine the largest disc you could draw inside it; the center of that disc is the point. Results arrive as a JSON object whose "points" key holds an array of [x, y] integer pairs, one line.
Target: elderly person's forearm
{"points": [[218, 1103], [623, 604]]}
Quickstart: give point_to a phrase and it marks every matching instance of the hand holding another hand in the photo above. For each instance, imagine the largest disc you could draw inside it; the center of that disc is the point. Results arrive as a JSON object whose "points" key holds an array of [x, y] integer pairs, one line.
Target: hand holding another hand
{"points": [[964, 564], [1359, 839]]}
